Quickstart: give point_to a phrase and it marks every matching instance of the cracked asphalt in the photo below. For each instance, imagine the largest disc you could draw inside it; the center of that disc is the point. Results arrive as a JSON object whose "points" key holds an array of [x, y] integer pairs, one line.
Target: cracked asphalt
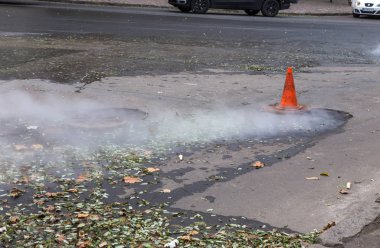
{"points": [[154, 59]]}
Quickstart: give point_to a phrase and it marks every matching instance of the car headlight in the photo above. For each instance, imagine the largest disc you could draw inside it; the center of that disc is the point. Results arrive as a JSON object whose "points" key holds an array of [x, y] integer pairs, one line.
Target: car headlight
{"points": [[378, 5]]}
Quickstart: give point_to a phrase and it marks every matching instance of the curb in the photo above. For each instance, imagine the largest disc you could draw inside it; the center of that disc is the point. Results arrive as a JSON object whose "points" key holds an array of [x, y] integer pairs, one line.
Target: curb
{"points": [[100, 3]]}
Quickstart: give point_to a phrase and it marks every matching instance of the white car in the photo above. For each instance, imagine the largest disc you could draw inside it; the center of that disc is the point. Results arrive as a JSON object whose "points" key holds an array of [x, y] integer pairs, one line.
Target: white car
{"points": [[365, 7]]}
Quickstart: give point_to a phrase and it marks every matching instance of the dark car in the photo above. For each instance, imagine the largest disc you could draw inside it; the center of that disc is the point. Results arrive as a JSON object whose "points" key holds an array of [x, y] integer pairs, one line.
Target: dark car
{"points": [[251, 7]]}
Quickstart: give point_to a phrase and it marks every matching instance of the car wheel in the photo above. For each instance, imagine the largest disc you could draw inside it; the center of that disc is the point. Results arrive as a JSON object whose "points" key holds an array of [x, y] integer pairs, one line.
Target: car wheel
{"points": [[199, 6], [355, 15], [251, 12], [184, 9], [270, 8]]}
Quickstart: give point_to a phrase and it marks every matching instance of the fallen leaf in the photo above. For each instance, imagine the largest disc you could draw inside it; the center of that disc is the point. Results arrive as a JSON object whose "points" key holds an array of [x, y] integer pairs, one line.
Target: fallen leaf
{"points": [[325, 174], [94, 217], [193, 232], [343, 191], [83, 244], [185, 237], [19, 148], [15, 192], [51, 194], [23, 180], [80, 179], [103, 244], [312, 178], [132, 180], [258, 164], [151, 169], [83, 215], [37, 147], [14, 219], [60, 238], [49, 208], [328, 226], [73, 190]]}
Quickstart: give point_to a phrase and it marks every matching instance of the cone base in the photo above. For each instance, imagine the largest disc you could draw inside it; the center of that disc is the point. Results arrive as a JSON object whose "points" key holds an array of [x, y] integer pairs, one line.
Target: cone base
{"points": [[287, 110]]}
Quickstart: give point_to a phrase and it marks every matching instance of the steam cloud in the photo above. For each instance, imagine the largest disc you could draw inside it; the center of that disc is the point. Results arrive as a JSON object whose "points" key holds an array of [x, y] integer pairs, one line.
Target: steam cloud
{"points": [[376, 52], [53, 119]]}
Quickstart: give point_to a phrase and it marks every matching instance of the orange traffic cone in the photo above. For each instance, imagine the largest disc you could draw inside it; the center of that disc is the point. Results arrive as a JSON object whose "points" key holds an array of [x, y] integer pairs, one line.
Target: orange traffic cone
{"points": [[289, 95]]}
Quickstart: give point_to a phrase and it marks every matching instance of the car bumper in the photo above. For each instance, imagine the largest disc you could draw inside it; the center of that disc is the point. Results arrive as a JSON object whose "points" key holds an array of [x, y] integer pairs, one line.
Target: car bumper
{"points": [[177, 3], [366, 11]]}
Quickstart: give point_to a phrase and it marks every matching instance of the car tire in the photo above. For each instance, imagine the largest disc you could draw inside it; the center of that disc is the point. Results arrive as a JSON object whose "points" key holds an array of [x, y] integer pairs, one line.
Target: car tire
{"points": [[199, 6], [270, 8], [251, 12], [184, 9], [355, 15]]}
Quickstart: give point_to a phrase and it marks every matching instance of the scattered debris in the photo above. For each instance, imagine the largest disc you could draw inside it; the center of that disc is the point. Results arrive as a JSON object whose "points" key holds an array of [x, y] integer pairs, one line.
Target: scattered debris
{"points": [[258, 164], [377, 200], [325, 174], [32, 127], [83, 215], [103, 244], [344, 191], [151, 169], [172, 244], [37, 147], [132, 180], [15, 192], [3, 229], [165, 191], [348, 185], [312, 178], [180, 156], [19, 148], [328, 226]]}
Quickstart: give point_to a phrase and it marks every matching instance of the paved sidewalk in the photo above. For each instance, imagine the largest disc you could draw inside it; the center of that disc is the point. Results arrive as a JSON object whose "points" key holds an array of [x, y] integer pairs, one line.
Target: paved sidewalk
{"points": [[303, 7]]}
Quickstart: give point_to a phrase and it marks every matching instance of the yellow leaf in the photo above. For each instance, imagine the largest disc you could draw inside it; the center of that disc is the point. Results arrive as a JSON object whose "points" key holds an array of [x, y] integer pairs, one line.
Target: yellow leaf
{"points": [[325, 174], [14, 219], [186, 237], [193, 232], [151, 169], [73, 190], [37, 147], [258, 164], [83, 215], [132, 180]]}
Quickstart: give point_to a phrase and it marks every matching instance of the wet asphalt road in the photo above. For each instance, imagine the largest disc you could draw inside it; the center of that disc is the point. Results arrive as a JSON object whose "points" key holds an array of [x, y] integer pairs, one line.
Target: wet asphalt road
{"points": [[46, 40], [328, 38]]}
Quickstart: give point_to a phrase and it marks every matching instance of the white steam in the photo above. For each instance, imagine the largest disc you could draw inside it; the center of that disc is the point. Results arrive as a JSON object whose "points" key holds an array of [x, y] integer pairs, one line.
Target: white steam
{"points": [[21, 113], [376, 52]]}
